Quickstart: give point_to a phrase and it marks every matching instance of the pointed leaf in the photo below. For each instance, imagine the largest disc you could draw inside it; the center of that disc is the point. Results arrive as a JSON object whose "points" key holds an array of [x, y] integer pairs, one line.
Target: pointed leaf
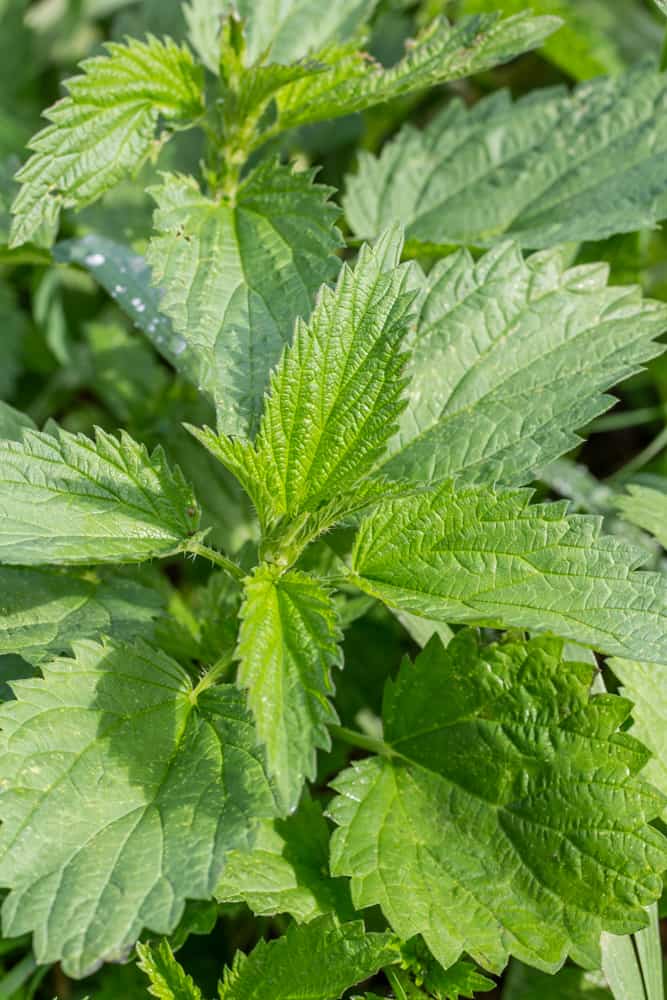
{"points": [[647, 508], [236, 276], [506, 818], [555, 166], [65, 498], [645, 685], [509, 358], [168, 979], [122, 792], [476, 555], [104, 128], [288, 645], [319, 960]]}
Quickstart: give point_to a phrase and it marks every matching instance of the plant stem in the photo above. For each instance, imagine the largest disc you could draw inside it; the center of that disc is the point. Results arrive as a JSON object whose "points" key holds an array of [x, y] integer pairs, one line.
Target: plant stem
{"points": [[359, 740], [643, 458], [396, 984], [212, 676], [17, 976], [198, 549]]}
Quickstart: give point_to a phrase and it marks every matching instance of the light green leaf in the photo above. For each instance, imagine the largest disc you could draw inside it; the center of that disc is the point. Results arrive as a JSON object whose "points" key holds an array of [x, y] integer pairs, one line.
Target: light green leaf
{"points": [[458, 981], [645, 684], [44, 610], [555, 166], [236, 276], [287, 870], [475, 555], [104, 128], [335, 396], [168, 979], [506, 818], [647, 508], [597, 36], [288, 645], [662, 4], [509, 358], [276, 31], [319, 960], [442, 53], [65, 498], [122, 792]]}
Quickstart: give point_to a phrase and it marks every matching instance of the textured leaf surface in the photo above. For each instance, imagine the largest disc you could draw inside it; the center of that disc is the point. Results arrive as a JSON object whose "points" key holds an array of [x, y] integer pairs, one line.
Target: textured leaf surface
{"points": [[647, 508], [168, 980], [480, 556], [122, 792], [44, 610], [555, 166], [443, 52], [65, 498], [335, 397], [235, 278], [645, 684], [319, 960], [104, 128], [596, 37], [505, 818], [509, 358], [461, 980], [288, 645], [287, 870]]}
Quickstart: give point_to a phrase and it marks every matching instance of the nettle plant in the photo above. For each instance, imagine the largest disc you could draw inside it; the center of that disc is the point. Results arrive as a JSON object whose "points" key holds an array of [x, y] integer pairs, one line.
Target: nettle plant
{"points": [[383, 409]]}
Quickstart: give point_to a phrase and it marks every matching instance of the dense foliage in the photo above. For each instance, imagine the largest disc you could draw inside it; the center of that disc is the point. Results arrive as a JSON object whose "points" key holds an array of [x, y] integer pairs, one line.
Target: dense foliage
{"points": [[333, 604]]}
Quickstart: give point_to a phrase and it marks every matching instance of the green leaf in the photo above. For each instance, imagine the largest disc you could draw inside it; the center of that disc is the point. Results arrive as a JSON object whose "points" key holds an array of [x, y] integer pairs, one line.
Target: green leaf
{"points": [[460, 980], [442, 53], [476, 555], [66, 498], [596, 35], [14, 328], [287, 871], [168, 980], [288, 645], [44, 610], [123, 789], [276, 31], [104, 128], [236, 276], [509, 358], [506, 818], [647, 508], [13, 423], [645, 685], [562, 166], [319, 960], [335, 396]]}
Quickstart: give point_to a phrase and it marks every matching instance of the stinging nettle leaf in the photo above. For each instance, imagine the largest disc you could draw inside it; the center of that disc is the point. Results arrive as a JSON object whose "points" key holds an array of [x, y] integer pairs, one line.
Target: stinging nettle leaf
{"points": [[509, 358], [45, 610], [104, 128], [123, 789], [287, 648], [442, 53], [287, 870], [335, 396], [236, 275], [553, 167], [506, 818], [66, 498], [168, 980], [318, 960], [477, 555]]}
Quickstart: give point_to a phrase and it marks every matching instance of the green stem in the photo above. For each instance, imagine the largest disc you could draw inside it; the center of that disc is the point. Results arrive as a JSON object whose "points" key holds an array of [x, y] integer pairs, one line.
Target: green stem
{"points": [[643, 458], [213, 675], [198, 549], [396, 984], [14, 979], [359, 740]]}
